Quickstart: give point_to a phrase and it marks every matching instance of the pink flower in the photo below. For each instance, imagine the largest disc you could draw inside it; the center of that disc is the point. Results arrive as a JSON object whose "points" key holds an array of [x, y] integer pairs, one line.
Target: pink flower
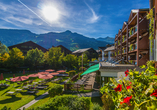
{"points": [[126, 73], [118, 88]]}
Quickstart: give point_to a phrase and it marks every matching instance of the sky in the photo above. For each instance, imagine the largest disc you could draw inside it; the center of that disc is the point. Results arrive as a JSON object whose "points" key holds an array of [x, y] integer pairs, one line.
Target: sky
{"points": [[91, 18]]}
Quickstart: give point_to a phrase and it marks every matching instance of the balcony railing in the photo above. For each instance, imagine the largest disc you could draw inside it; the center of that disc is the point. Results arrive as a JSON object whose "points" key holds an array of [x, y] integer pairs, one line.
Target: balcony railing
{"points": [[132, 30], [133, 47]]}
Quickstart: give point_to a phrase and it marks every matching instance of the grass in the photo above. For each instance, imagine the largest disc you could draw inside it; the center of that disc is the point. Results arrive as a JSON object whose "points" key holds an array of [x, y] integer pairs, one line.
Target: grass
{"points": [[21, 98], [46, 99]]}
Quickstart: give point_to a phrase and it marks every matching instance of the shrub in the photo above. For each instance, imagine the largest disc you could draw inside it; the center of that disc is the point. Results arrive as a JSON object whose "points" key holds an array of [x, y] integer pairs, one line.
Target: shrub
{"points": [[137, 93], [150, 63], [80, 69], [6, 108], [72, 73], [66, 102], [55, 90], [96, 106]]}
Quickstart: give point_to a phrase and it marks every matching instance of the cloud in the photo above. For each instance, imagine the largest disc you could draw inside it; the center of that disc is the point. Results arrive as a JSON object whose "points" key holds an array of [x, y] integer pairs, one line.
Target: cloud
{"points": [[94, 18]]}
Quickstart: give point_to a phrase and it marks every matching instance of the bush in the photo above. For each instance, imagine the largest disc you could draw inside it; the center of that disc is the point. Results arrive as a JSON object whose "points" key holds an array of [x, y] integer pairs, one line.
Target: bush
{"points": [[137, 93], [6, 108], [72, 73], [96, 106], [80, 69], [150, 63], [55, 90], [66, 102]]}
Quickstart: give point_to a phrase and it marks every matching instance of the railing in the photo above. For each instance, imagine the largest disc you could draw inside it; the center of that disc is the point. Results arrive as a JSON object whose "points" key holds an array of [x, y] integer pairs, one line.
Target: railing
{"points": [[132, 30]]}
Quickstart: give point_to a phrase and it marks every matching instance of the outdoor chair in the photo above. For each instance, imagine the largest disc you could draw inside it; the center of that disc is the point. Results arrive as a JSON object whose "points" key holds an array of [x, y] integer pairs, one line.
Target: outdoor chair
{"points": [[24, 84]]}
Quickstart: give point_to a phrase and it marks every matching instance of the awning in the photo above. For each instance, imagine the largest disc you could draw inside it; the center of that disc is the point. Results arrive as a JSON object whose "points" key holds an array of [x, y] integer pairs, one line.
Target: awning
{"points": [[91, 69]]}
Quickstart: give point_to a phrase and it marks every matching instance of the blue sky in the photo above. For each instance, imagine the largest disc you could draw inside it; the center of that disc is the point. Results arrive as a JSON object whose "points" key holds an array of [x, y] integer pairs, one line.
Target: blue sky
{"points": [[92, 18]]}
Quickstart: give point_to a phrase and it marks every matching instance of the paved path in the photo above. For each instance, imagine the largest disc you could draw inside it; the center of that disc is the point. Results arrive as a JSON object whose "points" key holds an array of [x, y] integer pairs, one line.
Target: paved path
{"points": [[38, 98]]}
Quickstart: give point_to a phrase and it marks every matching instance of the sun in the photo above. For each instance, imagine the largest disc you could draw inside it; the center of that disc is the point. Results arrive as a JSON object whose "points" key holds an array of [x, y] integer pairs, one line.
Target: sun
{"points": [[50, 13]]}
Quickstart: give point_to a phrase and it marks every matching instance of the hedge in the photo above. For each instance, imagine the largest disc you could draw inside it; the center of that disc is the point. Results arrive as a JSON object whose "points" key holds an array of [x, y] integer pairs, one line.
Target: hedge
{"points": [[67, 102]]}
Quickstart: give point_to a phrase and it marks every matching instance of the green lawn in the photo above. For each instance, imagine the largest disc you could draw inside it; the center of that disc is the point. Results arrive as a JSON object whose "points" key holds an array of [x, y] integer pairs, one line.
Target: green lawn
{"points": [[21, 98], [46, 99]]}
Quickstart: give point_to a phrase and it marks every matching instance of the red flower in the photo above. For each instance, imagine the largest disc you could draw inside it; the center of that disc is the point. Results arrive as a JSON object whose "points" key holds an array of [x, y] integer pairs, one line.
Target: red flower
{"points": [[118, 88], [154, 93], [128, 87], [126, 73], [126, 100], [130, 82]]}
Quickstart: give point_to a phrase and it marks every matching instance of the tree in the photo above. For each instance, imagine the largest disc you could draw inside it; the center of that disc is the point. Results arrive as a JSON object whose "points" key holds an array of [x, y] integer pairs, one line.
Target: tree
{"points": [[5, 60], [85, 60], [34, 58], [71, 61], [55, 57], [3, 48], [16, 58]]}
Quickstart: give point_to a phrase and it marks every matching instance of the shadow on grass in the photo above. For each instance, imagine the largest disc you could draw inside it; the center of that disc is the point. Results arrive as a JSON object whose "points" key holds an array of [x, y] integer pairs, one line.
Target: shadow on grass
{"points": [[10, 100], [97, 100], [5, 92]]}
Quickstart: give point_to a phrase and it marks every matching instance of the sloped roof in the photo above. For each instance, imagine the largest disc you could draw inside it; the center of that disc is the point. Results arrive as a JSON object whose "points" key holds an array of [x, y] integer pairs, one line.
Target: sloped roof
{"points": [[110, 48], [81, 50], [102, 48]]}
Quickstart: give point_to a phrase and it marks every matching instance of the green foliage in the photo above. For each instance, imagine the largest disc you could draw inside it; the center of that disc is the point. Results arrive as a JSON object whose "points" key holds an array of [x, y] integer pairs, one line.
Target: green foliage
{"points": [[15, 58], [150, 16], [93, 59], [72, 73], [96, 106], [80, 69], [131, 47], [55, 90], [131, 31], [70, 61], [68, 102], [6, 108], [55, 57], [135, 93], [150, 63], [3, 48], [34, 58], [85, 60]]}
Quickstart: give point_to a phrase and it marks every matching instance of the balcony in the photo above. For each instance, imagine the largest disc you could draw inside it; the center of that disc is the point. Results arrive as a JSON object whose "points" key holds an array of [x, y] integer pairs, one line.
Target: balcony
{"points": [[133, 47], [112, 55], [132, 30]]}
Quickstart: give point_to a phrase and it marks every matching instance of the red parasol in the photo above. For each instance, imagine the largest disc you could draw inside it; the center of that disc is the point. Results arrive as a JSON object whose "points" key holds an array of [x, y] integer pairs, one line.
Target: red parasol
{"points": [[43, 73], [49, 70], [33, 75], [1, 78], [61, 71], [45, 76], [54, 73], [19, 78], [13, 75], [23, 71]]}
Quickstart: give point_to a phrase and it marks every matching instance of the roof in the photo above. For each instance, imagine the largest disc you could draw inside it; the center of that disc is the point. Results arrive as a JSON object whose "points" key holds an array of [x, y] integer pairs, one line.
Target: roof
{"points": [[110, 48], [28, 43], [102, 48], [64, 48], [81, 50]]}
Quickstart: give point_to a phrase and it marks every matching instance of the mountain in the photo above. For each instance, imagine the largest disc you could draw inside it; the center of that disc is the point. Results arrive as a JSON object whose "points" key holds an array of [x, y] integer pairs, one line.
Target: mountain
{"points": [[72, 41], [106, 39]]}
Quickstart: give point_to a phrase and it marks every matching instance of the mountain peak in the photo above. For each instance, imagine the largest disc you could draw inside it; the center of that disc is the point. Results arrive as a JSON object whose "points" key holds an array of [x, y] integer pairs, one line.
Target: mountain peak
{"points": [[67, 31]]}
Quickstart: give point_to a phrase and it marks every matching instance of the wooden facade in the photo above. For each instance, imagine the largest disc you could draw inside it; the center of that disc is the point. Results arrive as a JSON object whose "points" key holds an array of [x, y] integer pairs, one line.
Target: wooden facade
{"points": [[26, 46], [132, 41]]}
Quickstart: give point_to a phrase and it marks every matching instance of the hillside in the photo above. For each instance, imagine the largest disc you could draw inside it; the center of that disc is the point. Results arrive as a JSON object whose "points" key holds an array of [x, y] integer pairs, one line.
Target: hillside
{"points": [[106, 39], [72, 41]]}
